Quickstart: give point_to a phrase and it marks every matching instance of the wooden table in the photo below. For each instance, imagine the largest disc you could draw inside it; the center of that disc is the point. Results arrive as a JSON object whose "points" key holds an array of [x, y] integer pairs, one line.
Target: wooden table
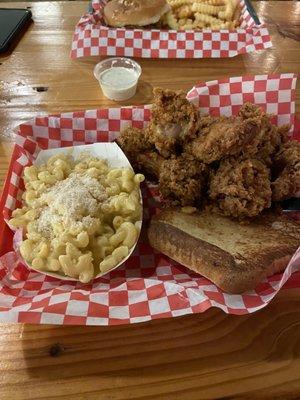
{"points": [[203, 356]]}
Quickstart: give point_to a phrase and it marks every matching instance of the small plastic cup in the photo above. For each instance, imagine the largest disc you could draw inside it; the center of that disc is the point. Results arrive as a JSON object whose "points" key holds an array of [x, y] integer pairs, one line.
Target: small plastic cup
{"points": [[118, 77]]}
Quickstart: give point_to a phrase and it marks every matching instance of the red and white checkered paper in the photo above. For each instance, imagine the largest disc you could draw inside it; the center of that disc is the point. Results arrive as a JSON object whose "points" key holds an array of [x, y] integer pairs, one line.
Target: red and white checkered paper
{"points": [[92, 37], [149, 285]]}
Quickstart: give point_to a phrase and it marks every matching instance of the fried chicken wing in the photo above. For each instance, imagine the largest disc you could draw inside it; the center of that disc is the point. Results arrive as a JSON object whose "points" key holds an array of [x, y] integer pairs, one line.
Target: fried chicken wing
{"points": [[241, 187], [133, 141], [269, 138], [150, 163], [269, 141], [287, 171], [174, 120], [223, 136], [182, 180], [250, 134], [236, 165], [249, 110]]}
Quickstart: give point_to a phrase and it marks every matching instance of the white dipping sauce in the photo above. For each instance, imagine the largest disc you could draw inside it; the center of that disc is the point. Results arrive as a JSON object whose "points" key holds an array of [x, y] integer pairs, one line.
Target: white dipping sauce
{"points": [[118, 76], [118, 83]]}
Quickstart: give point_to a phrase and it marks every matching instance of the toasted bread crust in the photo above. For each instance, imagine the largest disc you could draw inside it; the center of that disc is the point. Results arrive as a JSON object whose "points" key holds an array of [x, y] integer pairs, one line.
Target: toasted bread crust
{"points": [[233, 273]]}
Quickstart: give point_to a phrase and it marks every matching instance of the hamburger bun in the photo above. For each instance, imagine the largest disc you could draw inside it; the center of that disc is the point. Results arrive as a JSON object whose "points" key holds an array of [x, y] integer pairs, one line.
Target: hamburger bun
{"points": [[119, 13]]}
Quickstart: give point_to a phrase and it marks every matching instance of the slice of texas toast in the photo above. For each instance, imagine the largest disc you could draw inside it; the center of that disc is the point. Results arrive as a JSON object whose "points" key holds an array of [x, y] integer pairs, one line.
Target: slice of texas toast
{"points": [[235, 257]]}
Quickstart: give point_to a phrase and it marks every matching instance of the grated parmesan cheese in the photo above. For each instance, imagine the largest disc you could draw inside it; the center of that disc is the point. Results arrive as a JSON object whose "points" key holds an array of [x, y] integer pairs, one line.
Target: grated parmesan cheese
{"points": [[73, 202]]}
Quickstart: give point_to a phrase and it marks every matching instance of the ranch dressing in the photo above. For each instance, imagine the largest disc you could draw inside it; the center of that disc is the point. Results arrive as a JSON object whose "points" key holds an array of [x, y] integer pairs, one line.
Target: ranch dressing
{"points": [[120, 77], [118, 82]]}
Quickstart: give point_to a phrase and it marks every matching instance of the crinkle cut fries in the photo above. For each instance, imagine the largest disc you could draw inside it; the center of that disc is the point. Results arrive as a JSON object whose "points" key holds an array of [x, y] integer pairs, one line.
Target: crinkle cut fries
{"points": [[198, 14]]}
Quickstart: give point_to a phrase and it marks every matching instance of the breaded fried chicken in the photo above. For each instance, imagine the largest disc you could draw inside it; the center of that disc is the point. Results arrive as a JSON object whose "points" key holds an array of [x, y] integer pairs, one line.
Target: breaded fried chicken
{"points": [[269, 138], [241, 187], [236, 165], [133, 141], [249, 110], [181, 180], [287, 171], [223, 136], [174, 121], [250, 134], [149, 162]]}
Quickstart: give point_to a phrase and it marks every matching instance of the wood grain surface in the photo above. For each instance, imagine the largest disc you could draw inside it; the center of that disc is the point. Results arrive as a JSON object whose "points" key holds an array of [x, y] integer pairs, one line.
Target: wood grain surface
{"points": [[203, 356]]}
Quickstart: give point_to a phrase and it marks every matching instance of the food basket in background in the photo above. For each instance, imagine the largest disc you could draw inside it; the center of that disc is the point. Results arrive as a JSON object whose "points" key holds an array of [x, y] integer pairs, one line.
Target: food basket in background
{"points": [[93, 38], [148, 285]]}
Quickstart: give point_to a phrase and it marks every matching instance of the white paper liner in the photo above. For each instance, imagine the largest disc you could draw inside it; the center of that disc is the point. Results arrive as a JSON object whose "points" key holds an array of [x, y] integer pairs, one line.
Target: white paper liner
{"points": [[115, 158]]}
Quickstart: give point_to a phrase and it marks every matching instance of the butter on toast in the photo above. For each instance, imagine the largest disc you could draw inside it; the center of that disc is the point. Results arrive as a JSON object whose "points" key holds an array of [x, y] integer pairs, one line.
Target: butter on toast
{"points": [[235, 256]]}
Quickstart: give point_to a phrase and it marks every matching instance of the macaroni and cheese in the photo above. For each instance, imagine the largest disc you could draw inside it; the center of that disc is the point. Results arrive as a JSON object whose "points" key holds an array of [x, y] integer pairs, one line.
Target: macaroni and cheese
{"points": [[80, 217]]}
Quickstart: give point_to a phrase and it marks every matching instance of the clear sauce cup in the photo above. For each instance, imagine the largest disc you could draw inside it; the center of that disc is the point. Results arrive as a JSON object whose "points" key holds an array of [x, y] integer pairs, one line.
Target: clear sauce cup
{"points": [[118, 77]]}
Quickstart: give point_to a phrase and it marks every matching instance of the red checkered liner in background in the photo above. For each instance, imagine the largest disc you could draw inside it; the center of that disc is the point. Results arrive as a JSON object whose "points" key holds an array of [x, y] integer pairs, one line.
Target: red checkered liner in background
{"points": [[274, 93], [93, 38], [149, 285]]}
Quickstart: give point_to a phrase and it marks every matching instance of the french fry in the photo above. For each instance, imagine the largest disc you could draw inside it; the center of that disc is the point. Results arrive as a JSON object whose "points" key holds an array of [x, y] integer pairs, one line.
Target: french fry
{"points": [[198, 25], [184, 11], [178, 3], [198, 14], [207, 19], [212, 2], [231, 24], [237, 15], [191, 25], [207, 9], [229, 10], [182, 22], [172, 21], [217, 27], [187, 27], [223, 25]]}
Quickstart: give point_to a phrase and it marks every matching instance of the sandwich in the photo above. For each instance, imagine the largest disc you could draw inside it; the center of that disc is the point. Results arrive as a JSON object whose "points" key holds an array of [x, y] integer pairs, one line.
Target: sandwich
{"points": [[234, 256], [120, 13]]}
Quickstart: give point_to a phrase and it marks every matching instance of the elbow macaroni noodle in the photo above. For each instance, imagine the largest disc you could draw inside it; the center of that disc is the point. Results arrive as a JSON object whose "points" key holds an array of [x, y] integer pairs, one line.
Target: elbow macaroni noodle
{"points": [[80, 217]]}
